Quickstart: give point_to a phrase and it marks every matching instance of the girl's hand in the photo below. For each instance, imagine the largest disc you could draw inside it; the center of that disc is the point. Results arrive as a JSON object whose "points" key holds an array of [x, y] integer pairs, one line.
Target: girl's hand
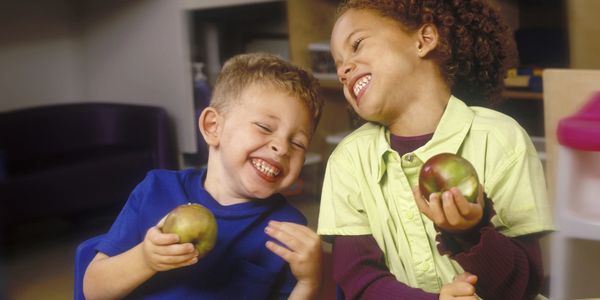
{"points": [[302, 250], [451, 212], [462, 287], [162, 252]]}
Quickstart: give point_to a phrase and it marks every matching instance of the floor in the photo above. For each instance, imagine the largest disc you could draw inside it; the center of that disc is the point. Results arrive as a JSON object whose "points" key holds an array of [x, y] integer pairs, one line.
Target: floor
{"points": [[39, 263]]}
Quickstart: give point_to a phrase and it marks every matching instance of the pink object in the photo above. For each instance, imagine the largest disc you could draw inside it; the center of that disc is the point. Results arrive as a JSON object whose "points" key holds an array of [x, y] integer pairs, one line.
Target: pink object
{"points": [[581, 131]]}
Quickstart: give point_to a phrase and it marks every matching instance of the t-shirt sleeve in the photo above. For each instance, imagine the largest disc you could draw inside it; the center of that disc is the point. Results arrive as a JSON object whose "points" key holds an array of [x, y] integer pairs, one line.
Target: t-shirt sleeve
{"points": [[342, 211], [518, 191], [125, 232]]}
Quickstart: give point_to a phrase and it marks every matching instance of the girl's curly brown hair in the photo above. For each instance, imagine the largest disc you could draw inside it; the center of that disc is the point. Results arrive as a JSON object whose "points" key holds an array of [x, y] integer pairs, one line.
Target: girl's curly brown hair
{"points": [[475, 46]]}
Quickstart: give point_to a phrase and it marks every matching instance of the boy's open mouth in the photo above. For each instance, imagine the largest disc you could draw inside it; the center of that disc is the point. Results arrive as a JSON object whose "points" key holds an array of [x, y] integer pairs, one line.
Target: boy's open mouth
{"points": [[265, 168]]}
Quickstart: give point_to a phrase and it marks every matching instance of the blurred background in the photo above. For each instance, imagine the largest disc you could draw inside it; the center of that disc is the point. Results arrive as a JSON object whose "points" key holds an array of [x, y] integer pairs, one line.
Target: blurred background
{"points": [[94, 93]]}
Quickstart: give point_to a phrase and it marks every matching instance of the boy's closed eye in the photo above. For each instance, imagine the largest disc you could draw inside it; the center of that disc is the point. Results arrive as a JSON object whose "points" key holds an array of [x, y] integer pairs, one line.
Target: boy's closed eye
{"points": [[263, 127], [300, 145]]}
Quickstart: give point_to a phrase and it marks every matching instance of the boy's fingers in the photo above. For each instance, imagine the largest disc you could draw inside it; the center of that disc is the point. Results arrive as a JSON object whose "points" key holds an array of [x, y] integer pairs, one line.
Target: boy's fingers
{"points": [[282, 252], [176, 249], [287, 239], [161, 239], [161, 223]]}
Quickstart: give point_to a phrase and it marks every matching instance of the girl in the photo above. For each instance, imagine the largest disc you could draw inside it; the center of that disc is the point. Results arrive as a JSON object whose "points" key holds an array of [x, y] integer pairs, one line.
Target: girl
{"points": [[406, 67]]}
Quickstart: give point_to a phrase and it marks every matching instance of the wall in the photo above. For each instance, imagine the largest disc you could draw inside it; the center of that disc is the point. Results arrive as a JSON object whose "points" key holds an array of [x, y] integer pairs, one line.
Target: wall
{"points": [[584, 32], [138, 52], [133, 51], [40, 59]]}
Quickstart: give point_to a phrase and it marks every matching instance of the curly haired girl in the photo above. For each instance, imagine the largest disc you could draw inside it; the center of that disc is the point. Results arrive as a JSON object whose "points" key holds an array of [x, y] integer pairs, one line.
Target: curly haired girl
{"points": [[409, 67]]}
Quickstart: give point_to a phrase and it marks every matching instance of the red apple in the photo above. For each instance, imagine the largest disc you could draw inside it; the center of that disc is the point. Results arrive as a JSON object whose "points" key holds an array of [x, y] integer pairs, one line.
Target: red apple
{"points": [[446, 170], [193, 223]]}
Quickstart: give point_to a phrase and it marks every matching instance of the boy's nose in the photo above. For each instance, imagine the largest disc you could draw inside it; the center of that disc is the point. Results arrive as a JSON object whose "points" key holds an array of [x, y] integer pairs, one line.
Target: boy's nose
{"points": [[279, 148]]}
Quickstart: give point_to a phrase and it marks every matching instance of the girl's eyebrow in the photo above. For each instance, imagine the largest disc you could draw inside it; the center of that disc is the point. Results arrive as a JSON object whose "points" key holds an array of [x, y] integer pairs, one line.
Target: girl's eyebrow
{"points": [[348, 40]]}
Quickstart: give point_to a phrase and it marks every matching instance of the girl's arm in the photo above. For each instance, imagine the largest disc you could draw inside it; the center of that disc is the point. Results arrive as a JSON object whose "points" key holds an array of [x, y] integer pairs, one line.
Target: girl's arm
{"points": [[360, 270], [508, 268], [114, 277]]}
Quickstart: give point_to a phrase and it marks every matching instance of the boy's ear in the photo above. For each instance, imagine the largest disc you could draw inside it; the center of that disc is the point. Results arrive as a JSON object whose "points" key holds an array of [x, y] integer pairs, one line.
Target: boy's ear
{"points": [[209, 124], [427, 39]]}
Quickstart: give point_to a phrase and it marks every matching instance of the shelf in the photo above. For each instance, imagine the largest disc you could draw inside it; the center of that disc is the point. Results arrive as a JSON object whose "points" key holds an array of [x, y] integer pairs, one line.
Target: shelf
{"points": [[525, 95], [204, 4]]}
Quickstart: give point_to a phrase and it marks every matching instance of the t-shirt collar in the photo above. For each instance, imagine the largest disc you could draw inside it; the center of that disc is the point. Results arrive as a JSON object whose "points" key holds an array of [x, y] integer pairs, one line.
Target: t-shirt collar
{"points": [[448, 136]]}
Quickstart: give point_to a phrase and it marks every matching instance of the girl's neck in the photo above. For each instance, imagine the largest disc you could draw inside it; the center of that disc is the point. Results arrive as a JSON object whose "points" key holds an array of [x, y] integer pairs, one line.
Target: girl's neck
{"points": [[422, 115]]}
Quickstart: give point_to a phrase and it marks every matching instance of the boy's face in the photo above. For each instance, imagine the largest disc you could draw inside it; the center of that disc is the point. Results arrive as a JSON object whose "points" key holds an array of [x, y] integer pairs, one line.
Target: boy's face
{"points": [[376, 61], [261, 144]]}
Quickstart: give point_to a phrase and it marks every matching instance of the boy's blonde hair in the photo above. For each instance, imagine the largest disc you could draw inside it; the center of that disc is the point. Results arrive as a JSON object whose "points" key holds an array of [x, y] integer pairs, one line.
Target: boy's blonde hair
{"points": [[244, 70]]}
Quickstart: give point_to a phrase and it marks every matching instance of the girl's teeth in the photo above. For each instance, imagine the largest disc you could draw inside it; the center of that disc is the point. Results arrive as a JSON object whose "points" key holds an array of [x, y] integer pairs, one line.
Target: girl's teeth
{"points": [[265, 168], [360, 84]]}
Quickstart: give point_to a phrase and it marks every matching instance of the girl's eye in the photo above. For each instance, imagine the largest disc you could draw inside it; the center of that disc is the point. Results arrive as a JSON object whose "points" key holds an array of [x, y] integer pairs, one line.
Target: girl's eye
{"points": [[356, 43]]}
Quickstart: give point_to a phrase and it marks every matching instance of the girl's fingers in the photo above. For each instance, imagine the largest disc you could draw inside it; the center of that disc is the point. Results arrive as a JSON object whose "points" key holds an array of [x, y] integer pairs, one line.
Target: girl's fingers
{"points": [[453, 216], [465, 207], [421, 202], [437, 211]]}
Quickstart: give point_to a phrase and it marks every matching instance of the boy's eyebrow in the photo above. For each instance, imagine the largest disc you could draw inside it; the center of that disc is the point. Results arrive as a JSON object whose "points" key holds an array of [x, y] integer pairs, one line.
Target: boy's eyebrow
{"points": [[301, 130]]}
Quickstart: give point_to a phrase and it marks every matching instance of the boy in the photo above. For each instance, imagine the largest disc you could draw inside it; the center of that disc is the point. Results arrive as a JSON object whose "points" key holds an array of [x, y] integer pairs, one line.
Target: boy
{"points": [[258, 127]]}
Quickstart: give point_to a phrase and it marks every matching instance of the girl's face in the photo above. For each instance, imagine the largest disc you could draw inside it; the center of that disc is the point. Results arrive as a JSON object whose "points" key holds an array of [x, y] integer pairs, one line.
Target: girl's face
{"points": [[376, 61], [261, 144]]}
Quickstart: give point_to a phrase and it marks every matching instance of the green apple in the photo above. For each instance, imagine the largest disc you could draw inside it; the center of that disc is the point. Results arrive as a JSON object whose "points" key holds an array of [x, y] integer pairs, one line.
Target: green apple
{"points": [[193, 223], [445, 171]]}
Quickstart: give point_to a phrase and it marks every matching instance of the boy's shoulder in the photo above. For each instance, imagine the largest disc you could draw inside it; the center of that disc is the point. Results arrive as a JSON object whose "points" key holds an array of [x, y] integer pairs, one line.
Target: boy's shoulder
{"points": [[282, 210], [168, 175]]}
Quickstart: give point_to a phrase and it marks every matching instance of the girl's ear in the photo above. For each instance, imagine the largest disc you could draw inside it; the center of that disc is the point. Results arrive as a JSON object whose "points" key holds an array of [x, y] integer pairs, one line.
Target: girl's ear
{"points": [[209, 123], [427, 39]]}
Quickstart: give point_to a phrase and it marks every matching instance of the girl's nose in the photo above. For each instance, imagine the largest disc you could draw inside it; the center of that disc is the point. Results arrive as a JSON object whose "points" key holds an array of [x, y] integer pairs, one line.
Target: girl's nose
{"points": [[344, 70]]}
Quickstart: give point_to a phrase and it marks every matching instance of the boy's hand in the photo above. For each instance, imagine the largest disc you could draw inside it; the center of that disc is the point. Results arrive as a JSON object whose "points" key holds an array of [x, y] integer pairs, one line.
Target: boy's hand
{"points": [[451, 212], [462, 287], [162, 252], [302, 251]]}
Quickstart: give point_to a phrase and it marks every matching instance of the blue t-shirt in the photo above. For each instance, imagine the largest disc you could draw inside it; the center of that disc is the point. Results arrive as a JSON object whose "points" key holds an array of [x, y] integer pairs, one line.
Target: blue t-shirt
{"points": [[238, 267]]}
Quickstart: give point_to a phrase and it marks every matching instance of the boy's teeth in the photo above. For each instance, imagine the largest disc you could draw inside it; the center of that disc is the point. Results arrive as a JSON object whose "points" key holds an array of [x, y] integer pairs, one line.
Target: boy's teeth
{"points": [[265, 167], [360, 84]]}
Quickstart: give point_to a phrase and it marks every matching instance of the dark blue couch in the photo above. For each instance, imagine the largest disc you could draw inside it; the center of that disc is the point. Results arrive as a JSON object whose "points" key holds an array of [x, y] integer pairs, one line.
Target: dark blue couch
{"points": [[70, 159]]}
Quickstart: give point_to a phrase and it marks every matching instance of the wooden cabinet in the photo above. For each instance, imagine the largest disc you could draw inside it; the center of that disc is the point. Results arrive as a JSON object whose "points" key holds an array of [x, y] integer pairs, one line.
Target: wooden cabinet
{"points": [[311, 21]]}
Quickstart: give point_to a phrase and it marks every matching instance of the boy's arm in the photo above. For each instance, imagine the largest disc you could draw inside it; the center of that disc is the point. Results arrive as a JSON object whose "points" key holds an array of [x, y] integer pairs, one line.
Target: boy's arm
{"points": [[114, 277], [303, 253]]}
